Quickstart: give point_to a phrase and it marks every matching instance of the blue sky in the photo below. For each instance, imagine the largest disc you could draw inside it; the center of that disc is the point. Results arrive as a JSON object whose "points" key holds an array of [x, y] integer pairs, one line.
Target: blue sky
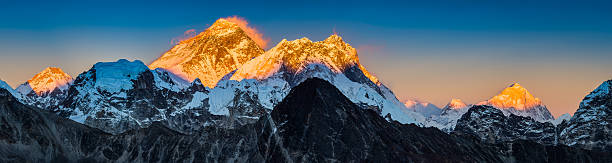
{"points": [[431, 51]]}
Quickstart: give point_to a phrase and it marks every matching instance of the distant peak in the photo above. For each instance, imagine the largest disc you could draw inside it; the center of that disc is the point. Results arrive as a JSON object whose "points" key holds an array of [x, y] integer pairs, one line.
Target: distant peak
{"points": [[515, 96], [48, 80], [456, 104]]}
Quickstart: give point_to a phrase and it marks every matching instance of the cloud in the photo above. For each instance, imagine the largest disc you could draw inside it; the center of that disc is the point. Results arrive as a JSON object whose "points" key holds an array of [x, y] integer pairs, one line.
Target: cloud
{"points": [[253, 33], [190, 33]]}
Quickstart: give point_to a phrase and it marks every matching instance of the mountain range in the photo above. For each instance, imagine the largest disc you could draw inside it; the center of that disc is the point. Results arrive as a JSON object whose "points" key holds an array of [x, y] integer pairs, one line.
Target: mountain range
{"points": [[314, 123], [220, 97]]}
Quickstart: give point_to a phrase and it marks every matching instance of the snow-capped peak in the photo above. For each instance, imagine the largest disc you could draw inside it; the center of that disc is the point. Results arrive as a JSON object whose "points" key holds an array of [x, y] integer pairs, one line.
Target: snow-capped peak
{"points": [[456, 104], [516, 100], [210, 55], [296, 55], [515, 96], [116, 76], [424, 108], [46, 81]]}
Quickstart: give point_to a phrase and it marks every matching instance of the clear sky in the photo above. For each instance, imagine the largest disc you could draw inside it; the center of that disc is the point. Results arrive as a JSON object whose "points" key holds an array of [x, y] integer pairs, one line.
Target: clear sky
{"points": [[431, 51]]}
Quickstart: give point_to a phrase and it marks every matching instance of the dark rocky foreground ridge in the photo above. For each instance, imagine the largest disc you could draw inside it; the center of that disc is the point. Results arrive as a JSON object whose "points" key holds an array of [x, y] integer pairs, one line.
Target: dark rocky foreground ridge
{"points": [[314, 123]]}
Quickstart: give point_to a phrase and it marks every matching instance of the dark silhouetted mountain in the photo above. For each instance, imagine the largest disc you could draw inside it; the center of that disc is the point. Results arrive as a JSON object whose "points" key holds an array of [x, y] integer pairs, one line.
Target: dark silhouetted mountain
{"points": [[591, 125]]}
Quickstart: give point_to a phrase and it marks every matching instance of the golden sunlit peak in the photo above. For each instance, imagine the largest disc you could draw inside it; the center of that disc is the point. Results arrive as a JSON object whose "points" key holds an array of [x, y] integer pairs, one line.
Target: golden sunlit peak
{"points": [[334, 38], [219, 50], [456, 104], [297, 54], [48, 80], [515, 96]]}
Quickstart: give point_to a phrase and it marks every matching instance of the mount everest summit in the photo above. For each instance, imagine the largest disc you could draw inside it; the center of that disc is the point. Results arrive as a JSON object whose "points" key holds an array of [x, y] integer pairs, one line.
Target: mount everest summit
{"points": [[210, 55], [221, 83], [220, 77]]}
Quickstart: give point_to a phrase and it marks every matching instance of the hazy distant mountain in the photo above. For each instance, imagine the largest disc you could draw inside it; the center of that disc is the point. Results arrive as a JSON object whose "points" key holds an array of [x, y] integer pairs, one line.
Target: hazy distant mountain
{"points": [[449, 115], [424, 108]]}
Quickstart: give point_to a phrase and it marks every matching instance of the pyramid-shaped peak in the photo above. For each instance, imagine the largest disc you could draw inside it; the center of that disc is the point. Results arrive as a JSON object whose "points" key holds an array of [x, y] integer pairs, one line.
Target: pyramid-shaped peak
{"points": [[48, 80], [456, 104], [515, 96], [212, 54]]}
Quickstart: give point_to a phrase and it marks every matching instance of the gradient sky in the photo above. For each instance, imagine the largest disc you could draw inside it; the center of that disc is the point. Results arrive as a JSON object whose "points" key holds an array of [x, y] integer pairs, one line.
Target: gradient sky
{"points": [[433, 51]]}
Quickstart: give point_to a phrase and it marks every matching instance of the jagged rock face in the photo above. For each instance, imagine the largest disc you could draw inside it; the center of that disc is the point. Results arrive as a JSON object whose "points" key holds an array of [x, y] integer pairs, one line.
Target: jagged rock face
{"points": [[529, 151], [492, 126], [43, 101], [33, 135], [298, 129], [119, 96], [210, 55], [591, 125]]}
